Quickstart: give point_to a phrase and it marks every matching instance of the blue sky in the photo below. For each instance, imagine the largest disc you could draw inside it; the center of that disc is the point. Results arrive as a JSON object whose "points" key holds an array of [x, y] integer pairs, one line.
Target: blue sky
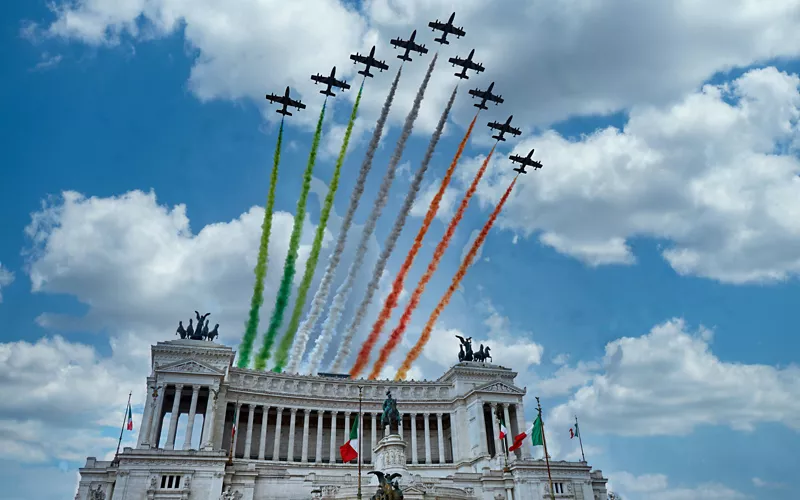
{"points": [[109, 115]]}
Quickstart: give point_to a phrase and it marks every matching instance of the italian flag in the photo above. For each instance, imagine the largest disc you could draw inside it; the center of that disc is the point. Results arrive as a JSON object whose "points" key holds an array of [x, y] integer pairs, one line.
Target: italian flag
{"points": [[129, 425], [503, 430], [349, 450], [534, 431], [573, 433]]}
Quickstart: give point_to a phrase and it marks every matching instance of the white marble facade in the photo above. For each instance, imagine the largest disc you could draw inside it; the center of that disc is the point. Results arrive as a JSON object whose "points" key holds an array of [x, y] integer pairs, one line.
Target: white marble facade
{"points": [[289, 429]]}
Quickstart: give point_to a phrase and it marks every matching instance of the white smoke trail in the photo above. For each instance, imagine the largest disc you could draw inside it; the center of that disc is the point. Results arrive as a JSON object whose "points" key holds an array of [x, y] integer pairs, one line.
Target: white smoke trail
{"points": [[324, 289], [391, 240], [343, 293]]}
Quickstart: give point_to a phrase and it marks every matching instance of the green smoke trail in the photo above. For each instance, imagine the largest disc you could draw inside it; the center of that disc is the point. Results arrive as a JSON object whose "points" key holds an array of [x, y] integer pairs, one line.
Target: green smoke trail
{"points": [[285, 287], [251, 326], [282, 354]]}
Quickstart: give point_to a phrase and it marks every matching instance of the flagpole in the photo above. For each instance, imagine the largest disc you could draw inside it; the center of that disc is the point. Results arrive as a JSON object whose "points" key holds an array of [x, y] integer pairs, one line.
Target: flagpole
{"points": [[546, 456], [505, 447], [360, 439], [578, 432], [124, 421], [233, 433]]}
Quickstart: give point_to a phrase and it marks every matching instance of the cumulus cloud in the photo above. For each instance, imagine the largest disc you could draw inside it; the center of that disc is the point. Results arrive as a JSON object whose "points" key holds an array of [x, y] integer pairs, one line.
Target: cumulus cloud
{"points": [[706, 175], [629, 51], [6, 278], [656, 487], [669, 382], [139, 268]]}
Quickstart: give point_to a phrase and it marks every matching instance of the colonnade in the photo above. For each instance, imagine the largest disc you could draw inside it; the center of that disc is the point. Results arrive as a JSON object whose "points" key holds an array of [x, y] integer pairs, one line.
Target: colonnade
{"points": [[191, 400]]}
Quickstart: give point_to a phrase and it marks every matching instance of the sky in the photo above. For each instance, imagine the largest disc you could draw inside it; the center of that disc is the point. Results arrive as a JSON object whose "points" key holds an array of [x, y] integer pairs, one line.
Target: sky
{"points": [[644, 279]]}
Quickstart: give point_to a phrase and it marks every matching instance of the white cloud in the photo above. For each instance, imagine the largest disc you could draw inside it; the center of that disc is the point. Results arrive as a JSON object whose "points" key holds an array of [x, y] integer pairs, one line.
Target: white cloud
{"points": [[6, 278], [619, 46], [701, 174], [668, 382], [656, 487], [47, 61], [446, 205], [760, 483], [566, 378]]}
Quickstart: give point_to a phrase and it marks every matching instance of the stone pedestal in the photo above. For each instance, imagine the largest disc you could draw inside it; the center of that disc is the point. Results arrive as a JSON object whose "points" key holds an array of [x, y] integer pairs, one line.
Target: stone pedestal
{"points": [[390, 458]]}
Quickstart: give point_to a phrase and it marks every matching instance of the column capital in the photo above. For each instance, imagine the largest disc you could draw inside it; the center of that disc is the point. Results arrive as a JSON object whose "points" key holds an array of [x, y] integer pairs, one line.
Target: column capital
{"points": [[266, 408], [334, 412], [178, 387], [239, 404], [196, 388], [493, 405], [505, 405], [293, 410], [279, 409], [413, 414], [348, 413], [426, 414], [439, 415]]}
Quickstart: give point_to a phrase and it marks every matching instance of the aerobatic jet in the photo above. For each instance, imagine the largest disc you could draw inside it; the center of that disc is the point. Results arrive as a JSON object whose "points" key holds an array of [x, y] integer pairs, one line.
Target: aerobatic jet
{"points": [[409, 45], [446, 29], [525, 161], [466, 64], [485, 95], [369, 61], [330, 81], [504, 128], [286, 101]]}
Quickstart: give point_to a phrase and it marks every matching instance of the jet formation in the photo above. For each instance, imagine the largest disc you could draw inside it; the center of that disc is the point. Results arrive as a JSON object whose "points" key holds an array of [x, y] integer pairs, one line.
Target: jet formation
{"points": [[369, 61]]}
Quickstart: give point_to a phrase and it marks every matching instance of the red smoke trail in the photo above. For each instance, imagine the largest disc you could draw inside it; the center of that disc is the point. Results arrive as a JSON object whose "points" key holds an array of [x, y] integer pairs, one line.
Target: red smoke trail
{"points": [[462, 270], [405, 319], [397, 287]]}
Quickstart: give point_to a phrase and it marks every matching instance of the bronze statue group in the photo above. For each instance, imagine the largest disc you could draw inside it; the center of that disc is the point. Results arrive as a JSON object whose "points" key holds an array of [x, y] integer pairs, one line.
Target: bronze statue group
{"points": [[465, 352], [199, 332]]}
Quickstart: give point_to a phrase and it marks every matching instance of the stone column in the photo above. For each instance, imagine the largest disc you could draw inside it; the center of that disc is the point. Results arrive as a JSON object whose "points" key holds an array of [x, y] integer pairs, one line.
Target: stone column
{"points": [[306, 418], [318, 457], [525, 449], [374, 438], [173, 418], [262, 442], [147, 417], [495, 427], [333, 437], [208, 420], [454, 435], [346, 427], [414, 438], [508, 426], [248, 442], [187, 442], [155, 427], [292, 418], [236, 416], [400, 427], [481, 421], [441, 437], [427, 417], [276, 448]]}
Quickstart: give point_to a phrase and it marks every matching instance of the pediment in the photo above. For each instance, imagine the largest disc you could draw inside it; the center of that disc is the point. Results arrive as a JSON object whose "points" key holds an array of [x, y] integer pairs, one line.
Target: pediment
{"points": [[501, 387], [189, 366]]}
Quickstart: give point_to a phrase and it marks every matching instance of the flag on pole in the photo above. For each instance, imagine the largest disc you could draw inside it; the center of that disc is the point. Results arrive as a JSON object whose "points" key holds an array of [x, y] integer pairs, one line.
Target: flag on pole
{"points": [[534, 431], [349, 450], [129, 425], [503, 430], [573, 433]]}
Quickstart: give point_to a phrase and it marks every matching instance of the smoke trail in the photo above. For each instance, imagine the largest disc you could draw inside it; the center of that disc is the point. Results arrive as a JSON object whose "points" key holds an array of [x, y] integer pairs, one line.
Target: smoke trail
{"points": [[391, 241], [321, 295], [343, 293], [405, 319], [285, 287], [397, 287], [302, 291], [251, 326], [415, 351]]}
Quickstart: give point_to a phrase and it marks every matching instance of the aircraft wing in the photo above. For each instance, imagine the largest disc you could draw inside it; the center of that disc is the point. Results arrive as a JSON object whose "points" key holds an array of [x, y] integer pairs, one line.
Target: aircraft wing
{"points": [[496, 98], [359, 58], [379, 64], [495, 125], [457, 60], [480, 94], [397, 42], [456, 31], [437, 25], [274, 98], [341, 84], [517, 159], [320, 78], [296, 104], [513, 130], [476, 66]]}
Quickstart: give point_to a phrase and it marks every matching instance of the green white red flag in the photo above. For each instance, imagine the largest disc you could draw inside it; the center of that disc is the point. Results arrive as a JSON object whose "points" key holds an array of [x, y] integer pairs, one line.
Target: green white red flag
{"points": [[129, 425], [349, 450], [534, 431], [503, 430]]}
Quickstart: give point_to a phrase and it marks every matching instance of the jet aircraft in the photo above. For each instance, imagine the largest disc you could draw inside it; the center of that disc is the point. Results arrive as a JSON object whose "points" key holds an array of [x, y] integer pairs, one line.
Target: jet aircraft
{"points": [[504, 128], [286, 101], [525, 161], [485, 95], [330, 81], [466, 64], [369, 61], [409, 45], [446, 29]]}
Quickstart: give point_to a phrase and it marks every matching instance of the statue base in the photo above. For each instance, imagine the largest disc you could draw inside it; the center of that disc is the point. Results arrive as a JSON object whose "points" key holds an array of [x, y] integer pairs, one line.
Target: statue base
{"points": [[390, 458]]}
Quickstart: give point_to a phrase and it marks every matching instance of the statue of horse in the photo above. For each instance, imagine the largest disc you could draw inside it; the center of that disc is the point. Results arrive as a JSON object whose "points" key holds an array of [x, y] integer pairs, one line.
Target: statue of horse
{"points": [[390, 414]]}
